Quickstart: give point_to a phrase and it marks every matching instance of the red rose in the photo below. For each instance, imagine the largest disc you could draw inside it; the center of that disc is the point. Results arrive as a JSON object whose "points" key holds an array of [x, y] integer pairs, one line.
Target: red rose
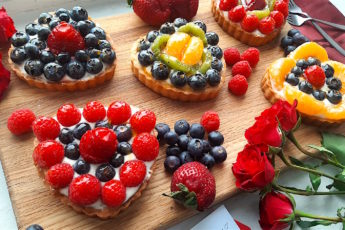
{"points": [[7, 28], [252, 168], [274, 207], [4, 78]]}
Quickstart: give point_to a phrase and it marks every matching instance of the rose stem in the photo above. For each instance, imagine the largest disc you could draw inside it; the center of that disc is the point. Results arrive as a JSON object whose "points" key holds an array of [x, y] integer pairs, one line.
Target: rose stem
{"points": [[304, 192], [311, 216]]}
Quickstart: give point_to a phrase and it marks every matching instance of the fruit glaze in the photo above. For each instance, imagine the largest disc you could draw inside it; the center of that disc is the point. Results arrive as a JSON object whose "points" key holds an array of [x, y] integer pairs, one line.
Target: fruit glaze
{"points": [[97, 159], [180, 61], [64, 50]]}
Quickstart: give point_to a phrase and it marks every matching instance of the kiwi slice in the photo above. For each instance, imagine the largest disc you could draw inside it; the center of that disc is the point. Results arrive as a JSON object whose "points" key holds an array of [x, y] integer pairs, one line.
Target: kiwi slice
{"points": [[261, 13]]}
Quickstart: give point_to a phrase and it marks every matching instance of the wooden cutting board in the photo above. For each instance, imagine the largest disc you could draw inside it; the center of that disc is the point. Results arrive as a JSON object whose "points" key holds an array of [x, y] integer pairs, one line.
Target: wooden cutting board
{"points": [[32, 201]]}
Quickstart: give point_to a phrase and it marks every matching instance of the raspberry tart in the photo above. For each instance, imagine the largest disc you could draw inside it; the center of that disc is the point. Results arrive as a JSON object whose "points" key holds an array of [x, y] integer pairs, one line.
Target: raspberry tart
{"points": [[317, 83], [181, 61], [64, 51], [253, 22], [97, 160]]}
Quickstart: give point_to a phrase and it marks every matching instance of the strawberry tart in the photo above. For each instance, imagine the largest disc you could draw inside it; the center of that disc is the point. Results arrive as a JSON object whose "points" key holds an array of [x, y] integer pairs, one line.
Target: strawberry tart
{"points": [[98, 160], [64, 50]]}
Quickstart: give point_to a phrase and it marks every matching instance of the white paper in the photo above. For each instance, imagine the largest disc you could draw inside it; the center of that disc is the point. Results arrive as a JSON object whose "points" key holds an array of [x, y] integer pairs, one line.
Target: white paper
{"points": [[340, 5], [220, 219]]}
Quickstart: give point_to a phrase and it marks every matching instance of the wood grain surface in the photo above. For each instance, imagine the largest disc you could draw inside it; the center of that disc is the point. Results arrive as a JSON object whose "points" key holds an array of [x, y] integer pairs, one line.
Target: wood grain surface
{"points": [[32, 201]]}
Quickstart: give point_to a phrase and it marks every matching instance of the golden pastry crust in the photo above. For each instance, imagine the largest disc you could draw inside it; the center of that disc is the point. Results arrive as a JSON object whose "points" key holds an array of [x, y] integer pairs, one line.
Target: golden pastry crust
{"points": [[168, 90], [236, 31]]}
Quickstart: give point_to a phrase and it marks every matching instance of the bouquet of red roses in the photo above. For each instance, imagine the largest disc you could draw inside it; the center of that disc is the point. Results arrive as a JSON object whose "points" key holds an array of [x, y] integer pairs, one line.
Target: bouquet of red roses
{"points": [[255, 168]]}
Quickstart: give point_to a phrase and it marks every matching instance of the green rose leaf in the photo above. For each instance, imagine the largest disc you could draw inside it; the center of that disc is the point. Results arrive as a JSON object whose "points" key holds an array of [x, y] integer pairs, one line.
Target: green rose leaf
{"points": [[336, 144], [341, 212], [315, 181], [322, 149], [338, 185], [308, 224], [296, 161]]}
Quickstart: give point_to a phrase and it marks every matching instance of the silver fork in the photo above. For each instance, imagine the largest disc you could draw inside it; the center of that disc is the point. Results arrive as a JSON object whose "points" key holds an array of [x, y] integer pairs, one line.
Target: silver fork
{"points": [[293, 8], [302, 20]]}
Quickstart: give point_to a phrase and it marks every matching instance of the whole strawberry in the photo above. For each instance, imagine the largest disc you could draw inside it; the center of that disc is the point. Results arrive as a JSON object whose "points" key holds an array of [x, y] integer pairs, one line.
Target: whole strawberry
{"points": [[193, 185]]}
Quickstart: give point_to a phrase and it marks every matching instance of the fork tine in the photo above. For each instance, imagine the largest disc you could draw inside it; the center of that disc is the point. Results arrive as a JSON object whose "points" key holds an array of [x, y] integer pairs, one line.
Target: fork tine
{"points": [[290, 20], [293, 4]]}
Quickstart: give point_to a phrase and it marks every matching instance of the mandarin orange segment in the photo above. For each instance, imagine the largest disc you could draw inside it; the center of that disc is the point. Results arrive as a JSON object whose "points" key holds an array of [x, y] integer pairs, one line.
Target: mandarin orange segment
{"points": [[279, 69], [177, 44], [336, 111], [193, 53], [309, 49]]}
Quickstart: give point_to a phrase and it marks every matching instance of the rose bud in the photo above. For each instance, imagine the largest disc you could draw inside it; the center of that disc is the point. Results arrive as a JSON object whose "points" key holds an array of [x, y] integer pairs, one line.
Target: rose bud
{"points": [[7, 28]]}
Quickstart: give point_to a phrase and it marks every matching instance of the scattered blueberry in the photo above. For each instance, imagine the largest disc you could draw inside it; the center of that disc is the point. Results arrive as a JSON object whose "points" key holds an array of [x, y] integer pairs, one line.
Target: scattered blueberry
{"points": [[171, 138], [286, 41], [219, 153], [292, 32], [195, 147], [299, 39], [181, 127], [183, 141], [215, 138], [197, 131], [208, 160], [173, 150], [34, 227], [172, 163], [185, 157], [289, 49], [161, 129]]}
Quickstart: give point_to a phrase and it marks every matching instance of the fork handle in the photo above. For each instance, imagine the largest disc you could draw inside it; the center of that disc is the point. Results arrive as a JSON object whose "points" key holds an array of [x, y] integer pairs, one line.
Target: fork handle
{"points": [[338, 26]]}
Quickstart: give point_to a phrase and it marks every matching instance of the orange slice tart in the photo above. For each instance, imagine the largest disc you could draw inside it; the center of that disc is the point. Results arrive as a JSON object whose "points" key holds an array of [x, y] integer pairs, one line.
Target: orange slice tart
{"points": [[317, 83]]}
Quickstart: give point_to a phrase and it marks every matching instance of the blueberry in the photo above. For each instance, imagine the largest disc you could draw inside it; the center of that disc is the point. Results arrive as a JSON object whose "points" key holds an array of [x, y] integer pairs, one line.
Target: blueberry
{"points": [[81, 56], [219, 154], [213, 77], [63, 58], [181, 127], [178, 22], [171, 138], [319, 95], [152, 35], [178, 78], [78, 13], [108, 55], [19, 39], [195, 148], [201, 25], [80, 129], [197, 131], [185, 157], [144, 45], [43, 33], [161, 129], [61, 11], [44, 18], [72, 151], [117, 160], [40, 44], [105, 172], [123, 133], [289, 49], [292, 79], [303, 64], [145, 57], [34, 227], [286, 41], [73, 23], [84, 27], [299, 39], [18, 55], [216, 51], [33, 67], [32, 28], [173, 150], [64, 17], [160, 71], [99, 32], [297, 71], [94, 66], [313, 61], [103, 44], [328, 69], [305, 87], [93, 52], [212, 38], [66, 136], [334, 96], [47, 56], [215, 138], [172, 163], [53, 72], [124, 148], [53, 23], [292, 32], [208, 160], [81, 167], [334, 83], [217, 64], [183, 141], [197, 82], [167, 28], [91, 40], [75, 70], [104, 124], [206, 146]]}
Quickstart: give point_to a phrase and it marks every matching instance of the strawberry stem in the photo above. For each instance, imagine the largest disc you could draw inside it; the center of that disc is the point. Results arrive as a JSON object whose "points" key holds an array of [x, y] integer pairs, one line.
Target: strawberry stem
{"points": [[184, 196]]}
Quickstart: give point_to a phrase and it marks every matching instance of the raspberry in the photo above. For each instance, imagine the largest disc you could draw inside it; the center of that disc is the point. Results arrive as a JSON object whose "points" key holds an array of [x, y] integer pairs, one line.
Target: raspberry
{"points": [[60, 175], [98, 145], [282, 7], [278, 18], [227, 5], [267, 25], [243, 68], [132, 173], [238, 85], [119, 112], [84, 190], [250, 22], [48, 153], [20, 121], [210, 121], [94, 111], [113, 193], [231, 56], [237, 13], [315, 76], [68, 115], [252, 56], [46, 128], [145, 147], [143, 121]]}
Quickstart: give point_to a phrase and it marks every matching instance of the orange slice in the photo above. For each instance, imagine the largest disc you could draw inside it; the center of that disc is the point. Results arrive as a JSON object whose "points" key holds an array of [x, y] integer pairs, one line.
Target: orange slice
{"points": [[176, 44], [309, 49], [193, 53], [279, 69]]}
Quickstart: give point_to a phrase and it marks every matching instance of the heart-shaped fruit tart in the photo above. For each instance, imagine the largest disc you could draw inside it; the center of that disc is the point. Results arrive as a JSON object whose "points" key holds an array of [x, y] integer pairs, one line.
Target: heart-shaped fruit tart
{"points": [[253, 22], [96, 159], [180, 61], [318, 84], [64, 51]]}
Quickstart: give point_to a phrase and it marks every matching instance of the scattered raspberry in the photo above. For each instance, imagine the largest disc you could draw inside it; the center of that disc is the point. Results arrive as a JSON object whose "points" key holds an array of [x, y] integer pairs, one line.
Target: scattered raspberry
{"points": [[278, 18], [252, 56], [60, 175], [132, 173], [20, 121], [143, 121], [250, 22], [94, 111], [231, 56], [48, 153], [68, 115], [84, 190], [210, 121], [238, 85], [237, 13], [98, 145], [282, 7], [46, 128], [227, 5], [243, 68], [119, 112], [267, 25], [145, 147], [315, 75], [113, 193]]}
